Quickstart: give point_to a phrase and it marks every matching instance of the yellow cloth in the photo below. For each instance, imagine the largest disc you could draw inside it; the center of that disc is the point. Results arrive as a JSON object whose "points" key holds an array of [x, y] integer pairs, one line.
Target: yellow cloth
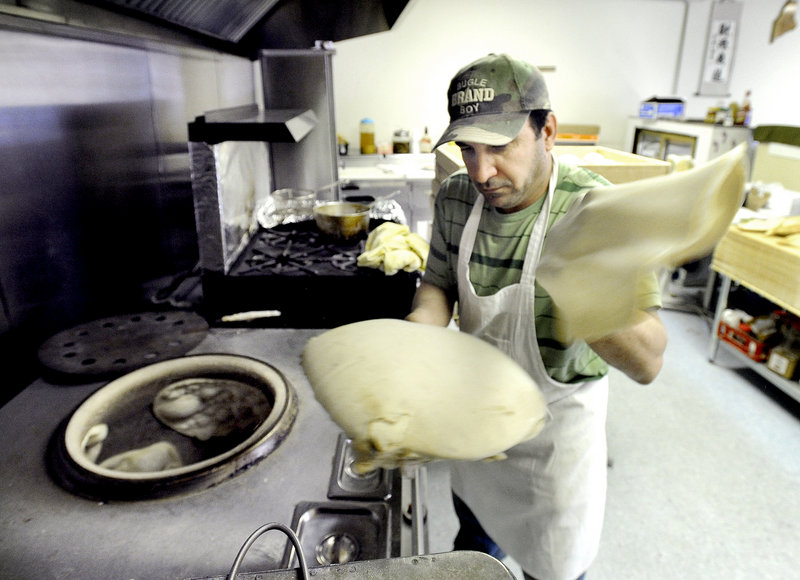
{"points": [[595, 257], [392, 247]]}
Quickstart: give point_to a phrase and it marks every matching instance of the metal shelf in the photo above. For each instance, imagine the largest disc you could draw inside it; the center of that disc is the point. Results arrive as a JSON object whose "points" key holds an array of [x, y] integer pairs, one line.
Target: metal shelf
{"points": [[791, 388], [249, 123]]}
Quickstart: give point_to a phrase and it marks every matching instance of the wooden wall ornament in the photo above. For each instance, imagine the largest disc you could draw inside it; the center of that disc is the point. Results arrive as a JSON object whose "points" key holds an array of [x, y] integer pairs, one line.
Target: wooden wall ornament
{"points": [[785, 20]]}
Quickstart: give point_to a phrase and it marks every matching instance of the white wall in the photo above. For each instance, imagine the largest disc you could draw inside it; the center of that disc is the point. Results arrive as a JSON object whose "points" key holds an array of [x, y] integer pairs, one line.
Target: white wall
{"points": [[770, 70], [609, 55]]}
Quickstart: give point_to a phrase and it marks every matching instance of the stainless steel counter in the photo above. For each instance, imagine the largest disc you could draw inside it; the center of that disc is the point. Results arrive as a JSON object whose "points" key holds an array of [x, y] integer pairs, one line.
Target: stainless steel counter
{"points": [[50, 533]]}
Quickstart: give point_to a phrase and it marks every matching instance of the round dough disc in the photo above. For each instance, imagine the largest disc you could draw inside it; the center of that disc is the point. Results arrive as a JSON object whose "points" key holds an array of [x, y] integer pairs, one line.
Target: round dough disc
{"points": [[204, 408], [408, 392]]}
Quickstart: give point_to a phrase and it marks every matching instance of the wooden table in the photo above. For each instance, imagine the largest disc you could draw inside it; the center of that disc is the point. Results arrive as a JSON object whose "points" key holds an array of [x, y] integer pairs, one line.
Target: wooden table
{"points": [[768, 268]]}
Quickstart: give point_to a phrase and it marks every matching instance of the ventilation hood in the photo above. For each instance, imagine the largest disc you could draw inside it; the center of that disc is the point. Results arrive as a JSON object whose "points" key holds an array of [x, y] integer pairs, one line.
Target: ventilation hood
{"points": [[252, 25]]}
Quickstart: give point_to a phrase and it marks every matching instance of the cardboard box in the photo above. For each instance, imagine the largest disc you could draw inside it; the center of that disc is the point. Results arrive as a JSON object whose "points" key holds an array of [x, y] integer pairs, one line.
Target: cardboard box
{"points": [[616, 166], [613, 164], [743, 342], [569, 134]]}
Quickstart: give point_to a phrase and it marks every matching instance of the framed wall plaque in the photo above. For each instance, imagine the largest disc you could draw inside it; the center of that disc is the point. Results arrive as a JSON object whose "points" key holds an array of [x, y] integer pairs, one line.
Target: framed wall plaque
{"points": [[720, 49]]}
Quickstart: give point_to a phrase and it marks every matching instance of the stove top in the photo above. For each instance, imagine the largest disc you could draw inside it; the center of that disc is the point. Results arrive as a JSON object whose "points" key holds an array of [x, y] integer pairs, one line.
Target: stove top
{"points": [[297, 249], [311, 279]]}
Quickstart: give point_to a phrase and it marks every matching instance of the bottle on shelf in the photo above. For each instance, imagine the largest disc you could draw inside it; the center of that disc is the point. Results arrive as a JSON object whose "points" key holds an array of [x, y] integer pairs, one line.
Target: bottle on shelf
{"points": [[743, 115], [425, 142], [401, 142], [367, 131]]}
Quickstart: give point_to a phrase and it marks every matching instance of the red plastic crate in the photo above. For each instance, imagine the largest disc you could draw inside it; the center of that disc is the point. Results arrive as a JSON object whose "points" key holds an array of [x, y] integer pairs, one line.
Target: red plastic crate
{"points": [[743, 341]]}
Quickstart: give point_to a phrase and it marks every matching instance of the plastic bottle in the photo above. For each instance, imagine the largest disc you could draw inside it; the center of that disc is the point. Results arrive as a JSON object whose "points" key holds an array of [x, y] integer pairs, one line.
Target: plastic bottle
{"points": [[425, 142], [367, 130]]}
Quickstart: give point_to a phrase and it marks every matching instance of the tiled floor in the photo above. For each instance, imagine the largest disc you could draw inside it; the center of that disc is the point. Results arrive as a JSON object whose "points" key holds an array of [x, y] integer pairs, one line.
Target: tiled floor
{"points": [[705, 472]]}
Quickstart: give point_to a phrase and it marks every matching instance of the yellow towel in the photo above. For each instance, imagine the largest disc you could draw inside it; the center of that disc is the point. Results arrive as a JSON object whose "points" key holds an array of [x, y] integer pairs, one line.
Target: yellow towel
{"points": [[392, 247]]}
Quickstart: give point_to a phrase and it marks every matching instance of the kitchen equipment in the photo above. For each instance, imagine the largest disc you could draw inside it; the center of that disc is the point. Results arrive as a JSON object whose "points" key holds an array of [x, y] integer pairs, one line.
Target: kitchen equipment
{"points": [[337, 553], [338, 532], [461, 565], [342, 220], [293, 205], [118, 344], [311, 279], [383, 207], [291, 268], [125, 405], [179, 535], [346, 483]]}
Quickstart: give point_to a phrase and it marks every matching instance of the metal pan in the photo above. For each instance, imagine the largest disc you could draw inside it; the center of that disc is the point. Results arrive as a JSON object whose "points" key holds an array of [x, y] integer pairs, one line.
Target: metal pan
{"points": [[342, 220]]}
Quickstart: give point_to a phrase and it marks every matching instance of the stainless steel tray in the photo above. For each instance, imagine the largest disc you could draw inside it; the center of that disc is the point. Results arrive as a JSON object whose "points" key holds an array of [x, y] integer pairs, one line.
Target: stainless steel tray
{"points": [[347, 484]]}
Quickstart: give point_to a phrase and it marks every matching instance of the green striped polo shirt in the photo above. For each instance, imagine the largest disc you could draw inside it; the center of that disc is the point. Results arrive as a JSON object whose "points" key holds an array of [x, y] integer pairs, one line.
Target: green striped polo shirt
{"points": [[499, 254]]}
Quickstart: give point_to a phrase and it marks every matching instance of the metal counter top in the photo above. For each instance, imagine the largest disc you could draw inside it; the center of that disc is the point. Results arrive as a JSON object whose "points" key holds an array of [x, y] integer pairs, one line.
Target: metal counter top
{"points": [[50, 533]]}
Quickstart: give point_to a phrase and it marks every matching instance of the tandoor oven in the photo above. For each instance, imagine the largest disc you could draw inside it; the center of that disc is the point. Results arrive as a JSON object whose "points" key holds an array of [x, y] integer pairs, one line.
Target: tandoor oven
{"points": [[69, 517]]}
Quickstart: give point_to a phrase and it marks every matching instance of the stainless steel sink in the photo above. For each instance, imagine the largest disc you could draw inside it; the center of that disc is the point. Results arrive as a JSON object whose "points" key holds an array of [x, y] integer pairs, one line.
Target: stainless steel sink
{"points": [[340, 532]]}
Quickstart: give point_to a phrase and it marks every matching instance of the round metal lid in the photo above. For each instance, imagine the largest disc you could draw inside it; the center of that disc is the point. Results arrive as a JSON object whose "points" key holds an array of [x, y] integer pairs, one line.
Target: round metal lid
{"points": [[119, 344]]}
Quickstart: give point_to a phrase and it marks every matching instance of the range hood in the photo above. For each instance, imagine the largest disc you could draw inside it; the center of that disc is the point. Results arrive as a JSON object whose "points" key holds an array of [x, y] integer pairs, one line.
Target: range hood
{"points": [[226, 20], [252, 25]]}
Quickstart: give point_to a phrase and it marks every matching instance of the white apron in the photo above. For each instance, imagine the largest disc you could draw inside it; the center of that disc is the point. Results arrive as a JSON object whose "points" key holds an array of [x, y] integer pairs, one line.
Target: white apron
{"points": [[544, 504]]}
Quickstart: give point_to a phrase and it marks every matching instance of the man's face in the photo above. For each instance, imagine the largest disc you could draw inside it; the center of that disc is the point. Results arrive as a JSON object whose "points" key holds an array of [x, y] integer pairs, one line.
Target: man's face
{"points": [[513, 176]]}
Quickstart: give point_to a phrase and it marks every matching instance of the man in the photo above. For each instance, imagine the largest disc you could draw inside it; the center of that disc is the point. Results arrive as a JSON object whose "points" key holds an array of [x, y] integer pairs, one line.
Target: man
{"points": [[544, 504]]}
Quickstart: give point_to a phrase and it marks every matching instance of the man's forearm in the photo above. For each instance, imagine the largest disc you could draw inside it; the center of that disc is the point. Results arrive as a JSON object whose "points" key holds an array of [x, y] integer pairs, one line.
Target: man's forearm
{"points": [[431, 306], [637, 351]]}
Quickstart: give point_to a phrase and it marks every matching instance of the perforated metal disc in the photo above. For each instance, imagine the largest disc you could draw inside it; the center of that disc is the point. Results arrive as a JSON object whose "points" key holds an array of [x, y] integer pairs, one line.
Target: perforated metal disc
{"points": [[118, 344]]}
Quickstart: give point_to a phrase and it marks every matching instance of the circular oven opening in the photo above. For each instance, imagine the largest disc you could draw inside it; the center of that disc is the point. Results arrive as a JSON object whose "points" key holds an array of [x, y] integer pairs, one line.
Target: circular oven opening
{"points": [[172, 427]]}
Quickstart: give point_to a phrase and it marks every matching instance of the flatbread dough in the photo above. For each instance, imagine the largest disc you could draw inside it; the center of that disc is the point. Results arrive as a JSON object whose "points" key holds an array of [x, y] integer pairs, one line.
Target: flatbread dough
{"points": [[406, 392], [596, 256], [159, 456], [204, 408]]}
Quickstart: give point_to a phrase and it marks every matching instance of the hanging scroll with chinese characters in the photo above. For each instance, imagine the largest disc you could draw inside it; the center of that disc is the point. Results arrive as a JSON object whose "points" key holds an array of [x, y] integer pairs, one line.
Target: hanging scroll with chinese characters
{"points": [[720, 49]]}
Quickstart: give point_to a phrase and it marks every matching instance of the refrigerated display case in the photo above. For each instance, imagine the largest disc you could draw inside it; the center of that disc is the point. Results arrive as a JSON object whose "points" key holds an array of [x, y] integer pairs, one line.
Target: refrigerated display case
{"points": [[700, 141]]}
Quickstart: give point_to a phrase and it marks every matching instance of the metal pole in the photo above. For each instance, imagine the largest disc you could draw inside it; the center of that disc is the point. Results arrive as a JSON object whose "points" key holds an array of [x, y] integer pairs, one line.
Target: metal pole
{"points": [[418, 535]]}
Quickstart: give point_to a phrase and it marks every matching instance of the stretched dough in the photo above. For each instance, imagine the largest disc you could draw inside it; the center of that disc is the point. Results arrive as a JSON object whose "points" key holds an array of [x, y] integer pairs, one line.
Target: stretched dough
{"points": [[596, 256], [204, 407], [408, 392], [159, 456]]}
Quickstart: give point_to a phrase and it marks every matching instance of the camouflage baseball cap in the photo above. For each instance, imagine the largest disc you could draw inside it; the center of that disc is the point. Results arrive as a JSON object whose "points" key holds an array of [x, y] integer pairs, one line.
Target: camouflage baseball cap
{"points": [[489, 100]]}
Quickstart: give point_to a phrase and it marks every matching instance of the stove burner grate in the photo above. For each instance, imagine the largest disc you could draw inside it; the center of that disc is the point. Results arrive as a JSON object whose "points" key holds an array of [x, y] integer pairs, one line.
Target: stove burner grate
{"points": [[297, 250]]}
